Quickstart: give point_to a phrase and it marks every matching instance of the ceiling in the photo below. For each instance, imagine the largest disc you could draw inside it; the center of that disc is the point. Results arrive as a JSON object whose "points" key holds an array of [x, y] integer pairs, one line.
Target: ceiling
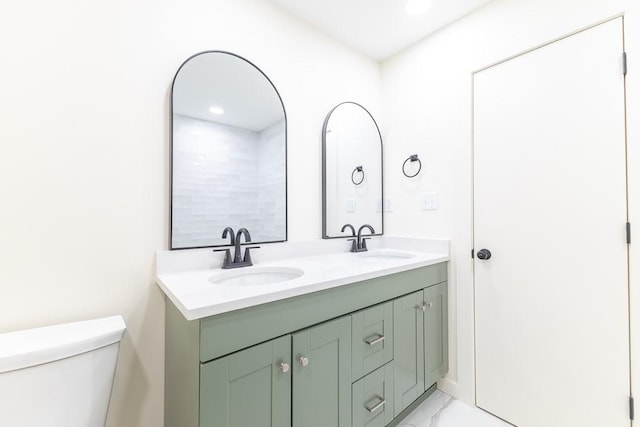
{"points": [[218, 79], [378, 28]]}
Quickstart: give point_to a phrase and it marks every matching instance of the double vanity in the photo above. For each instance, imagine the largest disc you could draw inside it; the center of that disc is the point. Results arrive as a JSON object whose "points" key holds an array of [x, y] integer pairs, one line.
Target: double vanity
{"points": [[311, 335], [327, 333]]}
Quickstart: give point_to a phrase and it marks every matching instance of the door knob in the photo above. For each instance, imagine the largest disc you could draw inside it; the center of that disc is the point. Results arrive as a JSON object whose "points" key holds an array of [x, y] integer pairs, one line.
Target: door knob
{"points": [[484, 254]]}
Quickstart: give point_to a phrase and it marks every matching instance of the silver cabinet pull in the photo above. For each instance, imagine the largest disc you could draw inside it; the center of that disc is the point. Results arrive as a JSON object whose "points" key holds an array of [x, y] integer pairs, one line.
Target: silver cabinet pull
{"points": [[304, 361], [375, 339], [425, 305], [377, 406], [284, 367]]}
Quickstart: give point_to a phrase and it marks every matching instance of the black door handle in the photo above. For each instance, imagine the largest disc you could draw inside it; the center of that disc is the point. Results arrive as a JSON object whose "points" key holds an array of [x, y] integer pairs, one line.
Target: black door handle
{"points": [[484, 254]]}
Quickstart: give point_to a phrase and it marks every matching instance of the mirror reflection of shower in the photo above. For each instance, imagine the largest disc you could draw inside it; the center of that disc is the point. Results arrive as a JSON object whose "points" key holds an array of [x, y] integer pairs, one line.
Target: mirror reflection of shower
{"points": [[228, 152]]}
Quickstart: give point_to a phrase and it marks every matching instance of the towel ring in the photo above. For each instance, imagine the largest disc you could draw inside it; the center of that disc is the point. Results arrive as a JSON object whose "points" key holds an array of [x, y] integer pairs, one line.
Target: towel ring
{"points": [[412, 158], [357, 169]]}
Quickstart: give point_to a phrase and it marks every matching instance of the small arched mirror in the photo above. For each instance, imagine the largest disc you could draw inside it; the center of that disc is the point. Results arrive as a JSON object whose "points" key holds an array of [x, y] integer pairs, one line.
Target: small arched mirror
{"points": [[352, 171], [229, 152]]}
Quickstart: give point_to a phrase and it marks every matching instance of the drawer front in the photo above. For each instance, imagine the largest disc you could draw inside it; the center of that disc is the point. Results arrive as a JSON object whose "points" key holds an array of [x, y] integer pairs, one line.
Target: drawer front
{"points": [[372, 398], [372, 339]]}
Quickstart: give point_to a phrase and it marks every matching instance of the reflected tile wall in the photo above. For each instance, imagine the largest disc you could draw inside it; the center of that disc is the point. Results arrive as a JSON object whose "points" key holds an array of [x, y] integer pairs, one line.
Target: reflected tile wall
{"points": [[217, 182]]}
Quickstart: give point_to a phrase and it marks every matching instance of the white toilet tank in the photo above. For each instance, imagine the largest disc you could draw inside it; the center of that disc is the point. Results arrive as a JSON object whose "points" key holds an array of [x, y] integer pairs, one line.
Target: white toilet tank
{"points": [[59, 376]]}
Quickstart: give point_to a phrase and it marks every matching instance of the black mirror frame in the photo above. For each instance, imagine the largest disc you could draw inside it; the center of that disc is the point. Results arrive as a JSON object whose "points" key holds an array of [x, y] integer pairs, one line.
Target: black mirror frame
{"points": [[324, 173], [286, 154]]}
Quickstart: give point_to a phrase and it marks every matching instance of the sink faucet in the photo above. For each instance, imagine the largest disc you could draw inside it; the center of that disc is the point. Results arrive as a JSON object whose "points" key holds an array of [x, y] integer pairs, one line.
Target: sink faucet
{"points": [[361, 243], [353, 233], [235, 242]]}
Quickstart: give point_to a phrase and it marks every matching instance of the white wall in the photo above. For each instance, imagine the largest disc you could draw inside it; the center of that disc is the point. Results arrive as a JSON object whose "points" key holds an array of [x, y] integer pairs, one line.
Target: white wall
{"points": [[84, 114], [427, 110]]}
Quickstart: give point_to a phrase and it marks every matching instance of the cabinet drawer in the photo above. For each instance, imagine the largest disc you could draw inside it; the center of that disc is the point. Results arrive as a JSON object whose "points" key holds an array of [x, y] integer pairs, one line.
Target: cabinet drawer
{"points": [[372, 398], [372, 339]]}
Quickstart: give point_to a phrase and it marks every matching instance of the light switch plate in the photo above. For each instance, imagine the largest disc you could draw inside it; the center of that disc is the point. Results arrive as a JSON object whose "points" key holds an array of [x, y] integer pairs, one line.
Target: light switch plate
{"points": [[429, 201], [350, 205]]}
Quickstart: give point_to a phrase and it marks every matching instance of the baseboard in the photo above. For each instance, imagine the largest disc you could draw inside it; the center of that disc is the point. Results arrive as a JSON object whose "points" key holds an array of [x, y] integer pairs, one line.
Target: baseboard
{"points": [[450, 387], [409, 409]]}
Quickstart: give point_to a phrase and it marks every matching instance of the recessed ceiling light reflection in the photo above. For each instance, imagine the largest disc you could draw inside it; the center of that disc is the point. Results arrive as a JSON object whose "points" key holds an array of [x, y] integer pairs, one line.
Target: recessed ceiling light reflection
{"points": [[418, 7], [216, 110]]}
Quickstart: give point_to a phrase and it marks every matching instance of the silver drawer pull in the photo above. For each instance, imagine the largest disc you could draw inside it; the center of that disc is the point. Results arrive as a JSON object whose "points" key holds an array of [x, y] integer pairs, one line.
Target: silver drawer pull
{"points": [[375, 339], [284, 367], [377, 406], [304, 361]]}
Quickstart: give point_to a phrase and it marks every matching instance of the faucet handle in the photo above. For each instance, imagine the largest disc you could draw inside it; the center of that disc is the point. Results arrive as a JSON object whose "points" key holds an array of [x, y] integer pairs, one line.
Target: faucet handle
{"points": [[363, 247], [247, 254], [227, 257], [353, 245]]}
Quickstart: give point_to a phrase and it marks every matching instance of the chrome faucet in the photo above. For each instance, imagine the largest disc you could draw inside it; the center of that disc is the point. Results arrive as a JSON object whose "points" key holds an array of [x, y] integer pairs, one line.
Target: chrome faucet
{"points": [[235, 242], [361, 243]]}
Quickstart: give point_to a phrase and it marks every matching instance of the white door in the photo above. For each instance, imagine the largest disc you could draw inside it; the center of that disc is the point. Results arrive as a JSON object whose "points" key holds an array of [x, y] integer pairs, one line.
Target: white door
{"points": [[552, 323]]}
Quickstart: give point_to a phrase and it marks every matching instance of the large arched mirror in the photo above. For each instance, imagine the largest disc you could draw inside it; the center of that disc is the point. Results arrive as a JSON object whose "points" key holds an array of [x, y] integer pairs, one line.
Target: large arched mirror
{"points": [[352, 171], [229, 152]]}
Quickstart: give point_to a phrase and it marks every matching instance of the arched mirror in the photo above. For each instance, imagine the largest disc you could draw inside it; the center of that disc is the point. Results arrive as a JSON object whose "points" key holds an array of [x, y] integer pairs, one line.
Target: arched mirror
{"points": [[229, 152], [352, 171]]}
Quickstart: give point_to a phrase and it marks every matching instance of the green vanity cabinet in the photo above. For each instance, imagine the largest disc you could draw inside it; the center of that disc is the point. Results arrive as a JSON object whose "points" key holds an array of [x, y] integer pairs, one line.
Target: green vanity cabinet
{"points": [[421, 349], [249, 388], [351, 356], [322, 375]]}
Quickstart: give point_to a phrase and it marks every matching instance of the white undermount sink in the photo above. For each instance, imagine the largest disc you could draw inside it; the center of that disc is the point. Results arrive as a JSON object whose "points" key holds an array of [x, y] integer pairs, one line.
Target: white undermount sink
{"points": [[255, 276], [385, 255]]}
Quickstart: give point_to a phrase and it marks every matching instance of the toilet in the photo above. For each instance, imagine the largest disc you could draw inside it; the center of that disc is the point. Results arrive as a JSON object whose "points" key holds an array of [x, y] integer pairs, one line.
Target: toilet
{"points": [[59, 376]]}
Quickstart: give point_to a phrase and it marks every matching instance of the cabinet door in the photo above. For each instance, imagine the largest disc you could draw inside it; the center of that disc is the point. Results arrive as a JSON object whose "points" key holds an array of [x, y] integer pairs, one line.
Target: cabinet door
{"points": [[436, 334], [248, 388], [371, 339], [322, 375], [408, 350]]}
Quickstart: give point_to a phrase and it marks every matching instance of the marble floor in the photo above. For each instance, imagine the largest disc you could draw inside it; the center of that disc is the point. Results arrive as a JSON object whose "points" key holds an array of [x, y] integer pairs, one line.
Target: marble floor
{"points": [[442, 410]]}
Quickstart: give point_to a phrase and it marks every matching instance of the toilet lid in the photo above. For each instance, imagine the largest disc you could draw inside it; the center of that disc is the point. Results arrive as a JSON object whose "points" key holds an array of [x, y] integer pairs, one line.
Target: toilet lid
{"points": [[22, 349]]}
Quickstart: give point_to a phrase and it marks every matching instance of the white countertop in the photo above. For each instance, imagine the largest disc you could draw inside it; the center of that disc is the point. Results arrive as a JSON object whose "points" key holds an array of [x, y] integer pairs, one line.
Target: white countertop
{"points": [[196, 296]]}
